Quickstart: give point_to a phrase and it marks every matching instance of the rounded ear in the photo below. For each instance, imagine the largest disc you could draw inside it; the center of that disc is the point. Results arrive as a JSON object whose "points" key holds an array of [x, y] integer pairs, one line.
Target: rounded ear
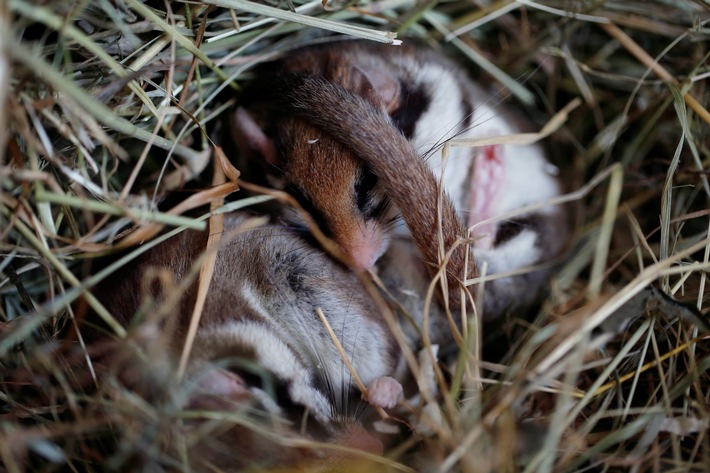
{"points": [[376, 85], [251, 139]]}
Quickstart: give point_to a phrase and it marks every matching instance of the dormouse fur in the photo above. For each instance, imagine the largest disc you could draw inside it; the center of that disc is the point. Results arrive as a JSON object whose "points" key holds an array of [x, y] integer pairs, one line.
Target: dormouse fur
{"points": [[261, 307], [383, 102]]}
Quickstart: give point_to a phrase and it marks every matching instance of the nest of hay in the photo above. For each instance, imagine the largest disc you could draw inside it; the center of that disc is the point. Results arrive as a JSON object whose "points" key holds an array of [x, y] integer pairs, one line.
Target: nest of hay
{"points": [[108, 106]]}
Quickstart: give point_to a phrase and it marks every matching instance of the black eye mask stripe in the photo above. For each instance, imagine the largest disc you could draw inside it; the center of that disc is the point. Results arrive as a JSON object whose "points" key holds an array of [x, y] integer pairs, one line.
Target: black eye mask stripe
{"points": [[364, 185], [467, 110], [414, 102], [511, 228]]}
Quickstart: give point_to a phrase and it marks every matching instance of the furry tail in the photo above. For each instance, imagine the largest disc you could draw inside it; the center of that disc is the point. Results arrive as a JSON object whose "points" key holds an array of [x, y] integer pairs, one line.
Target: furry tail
{"points": [[412, 186]]}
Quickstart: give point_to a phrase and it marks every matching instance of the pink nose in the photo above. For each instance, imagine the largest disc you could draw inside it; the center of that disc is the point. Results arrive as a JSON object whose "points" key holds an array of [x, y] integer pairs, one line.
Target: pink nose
{"points": [[364, 258], [365, 245]]}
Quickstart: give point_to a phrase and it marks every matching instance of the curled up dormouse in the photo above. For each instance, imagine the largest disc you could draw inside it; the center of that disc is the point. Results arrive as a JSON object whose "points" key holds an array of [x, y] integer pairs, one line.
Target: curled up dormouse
{"points": [[258, 326], [392, 106]]}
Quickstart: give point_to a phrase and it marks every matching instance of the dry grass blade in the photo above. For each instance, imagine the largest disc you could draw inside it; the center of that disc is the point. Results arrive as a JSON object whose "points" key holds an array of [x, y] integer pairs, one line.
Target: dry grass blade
{"points": [[112, 209], [647, 60], [216, 227], [43, 15], [344, 356], [517, 89], [607, 228], [338, 27], [550, 127], [97, 110], [172, 31], [111, 122]]}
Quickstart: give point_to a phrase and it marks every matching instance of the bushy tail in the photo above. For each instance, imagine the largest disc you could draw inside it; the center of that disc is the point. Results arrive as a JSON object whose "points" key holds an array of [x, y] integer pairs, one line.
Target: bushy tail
{"points": [[411, 185]]}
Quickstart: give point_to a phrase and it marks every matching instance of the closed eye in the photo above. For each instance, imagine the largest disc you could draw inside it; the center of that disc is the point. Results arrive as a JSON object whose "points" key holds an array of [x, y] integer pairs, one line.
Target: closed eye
{"points": [[415, 101], [511, 228], [365, 198]]}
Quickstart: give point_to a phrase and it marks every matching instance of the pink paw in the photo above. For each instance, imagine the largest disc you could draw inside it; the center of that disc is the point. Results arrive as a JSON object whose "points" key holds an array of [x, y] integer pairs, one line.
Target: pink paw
{"points": [[384, 392]]}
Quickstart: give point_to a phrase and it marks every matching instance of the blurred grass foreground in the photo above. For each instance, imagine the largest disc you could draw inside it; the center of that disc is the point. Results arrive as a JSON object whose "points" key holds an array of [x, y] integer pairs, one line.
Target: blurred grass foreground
{"points": [[107, 106]]}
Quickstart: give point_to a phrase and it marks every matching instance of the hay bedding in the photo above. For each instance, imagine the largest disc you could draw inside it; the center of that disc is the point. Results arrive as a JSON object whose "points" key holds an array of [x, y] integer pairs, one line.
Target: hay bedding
{"points": [[109, 105]]}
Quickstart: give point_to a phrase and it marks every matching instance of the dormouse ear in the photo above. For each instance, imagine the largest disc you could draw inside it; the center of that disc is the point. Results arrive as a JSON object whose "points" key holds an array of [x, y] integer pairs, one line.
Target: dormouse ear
{"points": [[376, 85], [250, 137]]}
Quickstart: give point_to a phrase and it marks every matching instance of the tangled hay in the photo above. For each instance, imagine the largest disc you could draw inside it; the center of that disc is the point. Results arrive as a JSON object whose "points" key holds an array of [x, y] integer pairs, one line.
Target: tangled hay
{"points": [[107, 106]]}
